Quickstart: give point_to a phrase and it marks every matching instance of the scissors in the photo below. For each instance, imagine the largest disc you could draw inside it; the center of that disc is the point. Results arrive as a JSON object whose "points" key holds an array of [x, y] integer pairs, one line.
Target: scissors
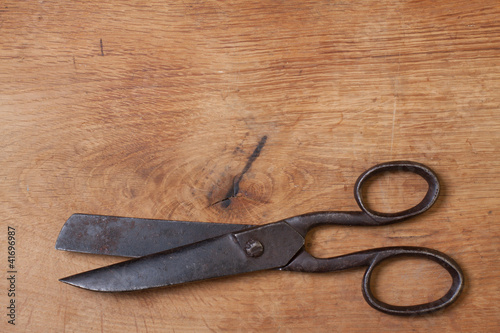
{"points": [[168, 253]]}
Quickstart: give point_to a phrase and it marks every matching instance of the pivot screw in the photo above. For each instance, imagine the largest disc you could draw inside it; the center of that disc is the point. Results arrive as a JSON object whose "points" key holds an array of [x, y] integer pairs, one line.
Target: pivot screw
{"points": [[254, 248]]}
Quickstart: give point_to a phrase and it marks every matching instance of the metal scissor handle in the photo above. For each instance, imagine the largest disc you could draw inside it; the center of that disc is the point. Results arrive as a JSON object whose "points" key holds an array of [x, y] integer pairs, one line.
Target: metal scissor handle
{"points": [[305, 262], [442, 259], [367, 216], [382, 218]]}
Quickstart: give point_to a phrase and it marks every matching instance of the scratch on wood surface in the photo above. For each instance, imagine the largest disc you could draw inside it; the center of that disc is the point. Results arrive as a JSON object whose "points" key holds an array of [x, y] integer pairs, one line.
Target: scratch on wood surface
{"points": [[135, 321], [371, 108], [64, 320], [393, 120], [102, 48], [29, 316], [395, 104]]}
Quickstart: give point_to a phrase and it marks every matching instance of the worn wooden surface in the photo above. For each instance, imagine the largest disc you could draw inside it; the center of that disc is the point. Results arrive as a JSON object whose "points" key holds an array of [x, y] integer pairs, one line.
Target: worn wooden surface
{"points": [[152, 108]]}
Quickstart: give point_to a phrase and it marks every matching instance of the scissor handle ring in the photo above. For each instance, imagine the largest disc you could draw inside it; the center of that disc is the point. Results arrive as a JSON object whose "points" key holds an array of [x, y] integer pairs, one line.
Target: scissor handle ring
{"points": [[425, 172], [449, 264]]}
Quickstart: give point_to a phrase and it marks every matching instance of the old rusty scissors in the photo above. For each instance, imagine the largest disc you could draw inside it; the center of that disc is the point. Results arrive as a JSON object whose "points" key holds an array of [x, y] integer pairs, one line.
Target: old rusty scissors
{"points": [[174, 252]]}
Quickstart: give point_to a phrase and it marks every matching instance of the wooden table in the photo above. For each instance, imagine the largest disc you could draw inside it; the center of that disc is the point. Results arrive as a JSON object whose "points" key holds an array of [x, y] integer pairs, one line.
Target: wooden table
{"points": [[153, 108]]}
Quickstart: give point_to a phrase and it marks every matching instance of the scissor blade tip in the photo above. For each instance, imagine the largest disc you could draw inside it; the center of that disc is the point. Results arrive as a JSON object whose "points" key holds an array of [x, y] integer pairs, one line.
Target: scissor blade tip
{"points": [[65, 281], [74, 280], [70, 280], [89, 282], [60, 244]]}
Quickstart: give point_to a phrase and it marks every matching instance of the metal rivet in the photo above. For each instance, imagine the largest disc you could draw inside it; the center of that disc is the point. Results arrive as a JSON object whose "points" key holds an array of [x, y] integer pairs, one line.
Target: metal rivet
{"points": [[254, 248]]}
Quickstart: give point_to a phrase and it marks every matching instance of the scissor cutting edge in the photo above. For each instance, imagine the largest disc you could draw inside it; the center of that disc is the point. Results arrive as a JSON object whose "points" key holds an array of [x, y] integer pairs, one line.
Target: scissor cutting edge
{"points": [[229, 249]]}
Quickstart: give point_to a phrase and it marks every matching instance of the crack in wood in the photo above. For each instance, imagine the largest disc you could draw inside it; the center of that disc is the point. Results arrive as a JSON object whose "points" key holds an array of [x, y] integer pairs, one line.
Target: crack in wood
{"points": [[235, 188]]}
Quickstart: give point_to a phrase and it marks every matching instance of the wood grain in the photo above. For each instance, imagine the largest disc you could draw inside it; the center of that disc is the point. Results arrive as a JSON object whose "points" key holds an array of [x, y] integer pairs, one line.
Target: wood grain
{"points": [[152, 109]]}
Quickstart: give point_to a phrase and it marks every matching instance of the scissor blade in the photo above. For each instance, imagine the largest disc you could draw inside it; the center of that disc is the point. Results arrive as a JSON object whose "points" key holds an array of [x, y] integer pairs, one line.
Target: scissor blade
{"points": [[134, 237], [221, 256]]}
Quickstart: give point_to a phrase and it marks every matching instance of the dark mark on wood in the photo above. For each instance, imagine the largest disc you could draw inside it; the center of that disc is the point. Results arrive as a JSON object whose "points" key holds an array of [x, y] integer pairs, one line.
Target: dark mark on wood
{"points": [[235, 188], [102, 49]]}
